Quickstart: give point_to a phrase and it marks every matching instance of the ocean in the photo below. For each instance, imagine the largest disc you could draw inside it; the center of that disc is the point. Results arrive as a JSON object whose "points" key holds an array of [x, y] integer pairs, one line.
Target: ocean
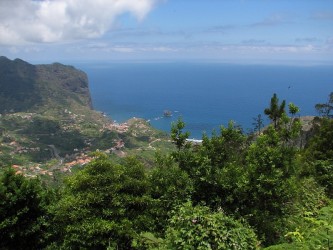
{"points": [[204, 95]]}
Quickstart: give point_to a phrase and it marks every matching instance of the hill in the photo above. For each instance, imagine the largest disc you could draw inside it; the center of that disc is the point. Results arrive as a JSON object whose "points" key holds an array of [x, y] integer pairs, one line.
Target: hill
{"points": [[47, 122], [25, 87]]}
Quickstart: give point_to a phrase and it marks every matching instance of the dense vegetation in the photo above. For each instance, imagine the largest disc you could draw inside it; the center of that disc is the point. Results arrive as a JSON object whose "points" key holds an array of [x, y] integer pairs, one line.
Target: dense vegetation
{"points": [[232, 191], [27, 88]]}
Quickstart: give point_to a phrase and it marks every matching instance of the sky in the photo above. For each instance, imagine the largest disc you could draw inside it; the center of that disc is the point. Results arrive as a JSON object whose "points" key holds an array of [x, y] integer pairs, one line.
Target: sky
{"points": [[228, 31]]}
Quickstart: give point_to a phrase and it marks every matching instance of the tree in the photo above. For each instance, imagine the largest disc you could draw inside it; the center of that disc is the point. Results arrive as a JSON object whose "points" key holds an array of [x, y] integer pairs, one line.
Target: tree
{"points": [[170, 186], [293, 109], [258, 123], [314, 231], [324, 109], [200, 228], [215, 167], [226, 147], [290, 127], [22, 212], [319, 155], [320, 146], [276, 110], [104, 205], [177, 135], [271, 185], [324, 175]]}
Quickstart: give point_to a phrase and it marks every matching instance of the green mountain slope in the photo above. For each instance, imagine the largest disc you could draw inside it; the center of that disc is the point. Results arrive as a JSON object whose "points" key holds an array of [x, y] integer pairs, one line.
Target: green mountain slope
{"points": [[18, 86], [46, 119], [25, 87]]}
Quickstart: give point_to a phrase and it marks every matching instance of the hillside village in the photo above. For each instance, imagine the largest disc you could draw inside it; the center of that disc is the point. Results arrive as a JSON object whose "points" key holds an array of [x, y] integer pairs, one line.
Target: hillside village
{"points": [[78, 157]]}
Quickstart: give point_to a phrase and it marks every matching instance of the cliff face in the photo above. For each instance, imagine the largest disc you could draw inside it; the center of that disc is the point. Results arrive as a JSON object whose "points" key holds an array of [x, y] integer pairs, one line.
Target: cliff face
{"points": [[18, 87], [26, 87], [71, 82]]}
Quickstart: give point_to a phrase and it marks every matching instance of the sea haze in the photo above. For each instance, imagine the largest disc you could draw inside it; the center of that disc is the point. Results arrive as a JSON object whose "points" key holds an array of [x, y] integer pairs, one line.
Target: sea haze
{"points": [[205, 95]]}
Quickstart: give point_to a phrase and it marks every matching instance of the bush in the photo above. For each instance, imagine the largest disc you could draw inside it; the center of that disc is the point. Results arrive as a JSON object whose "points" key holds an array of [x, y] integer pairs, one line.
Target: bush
{"points": [[199, 228], [22, 212]]}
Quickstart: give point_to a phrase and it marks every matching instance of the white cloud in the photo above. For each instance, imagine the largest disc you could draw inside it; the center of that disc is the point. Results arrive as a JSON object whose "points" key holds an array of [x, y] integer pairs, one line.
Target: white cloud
{"points": [[123, 49], [49, 21], [323, 15], [272, 20], [307, 40], [275, 49], [126, 48], [330, 41], [164, 49], [254, 41]]}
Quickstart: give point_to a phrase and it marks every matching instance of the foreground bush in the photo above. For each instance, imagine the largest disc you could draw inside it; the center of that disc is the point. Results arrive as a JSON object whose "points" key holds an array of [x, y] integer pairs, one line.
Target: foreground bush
{"points": [[199, 228]]}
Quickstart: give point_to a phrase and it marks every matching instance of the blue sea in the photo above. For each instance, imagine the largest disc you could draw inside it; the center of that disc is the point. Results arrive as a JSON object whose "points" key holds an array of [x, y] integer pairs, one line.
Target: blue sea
{"points": [[205, 95]]}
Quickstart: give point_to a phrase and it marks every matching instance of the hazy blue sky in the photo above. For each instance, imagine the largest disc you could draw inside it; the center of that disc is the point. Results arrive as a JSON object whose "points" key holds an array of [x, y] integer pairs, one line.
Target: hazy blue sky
{"points": [[236, 31]]}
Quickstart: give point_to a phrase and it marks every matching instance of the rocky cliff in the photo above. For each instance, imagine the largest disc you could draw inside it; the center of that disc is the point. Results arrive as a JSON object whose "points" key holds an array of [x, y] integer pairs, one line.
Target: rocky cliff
{"points": [[25, 87]]}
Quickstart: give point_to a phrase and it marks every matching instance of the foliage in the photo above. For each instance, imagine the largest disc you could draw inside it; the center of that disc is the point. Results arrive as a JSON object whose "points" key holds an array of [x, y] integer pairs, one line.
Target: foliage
{"points": [[271, 185], [103, 205], [27, 87], [324, 175], [18, 90], [320, 147], [293, 109], [148, 240], [254, 182], [315, 231], [218, 173], [41, 125], [290, 127], [310, 197], [177, 135], [199, 228], [106, 139], [324, 109], [275, 111], [226, 147], [199, 196], [258, 123], [169, 186], [22, 212]]}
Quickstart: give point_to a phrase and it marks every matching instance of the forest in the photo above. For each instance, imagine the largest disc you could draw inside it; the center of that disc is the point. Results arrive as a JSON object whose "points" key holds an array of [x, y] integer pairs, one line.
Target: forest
{"points": [[263, 190]]}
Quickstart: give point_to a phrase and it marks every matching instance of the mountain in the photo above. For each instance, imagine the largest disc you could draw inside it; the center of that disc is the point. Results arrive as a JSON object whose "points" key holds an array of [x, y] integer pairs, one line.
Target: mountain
{"points": [[25, 87], [47, 122]]}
